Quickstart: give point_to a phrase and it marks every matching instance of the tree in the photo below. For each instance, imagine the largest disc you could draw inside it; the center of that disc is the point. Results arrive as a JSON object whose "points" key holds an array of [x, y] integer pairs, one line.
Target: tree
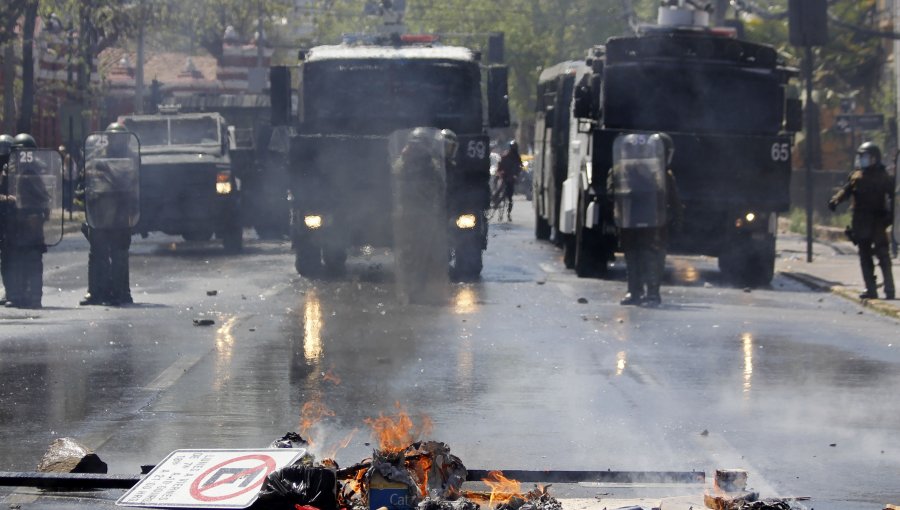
{"points": [[31, 12], [208, 19]]}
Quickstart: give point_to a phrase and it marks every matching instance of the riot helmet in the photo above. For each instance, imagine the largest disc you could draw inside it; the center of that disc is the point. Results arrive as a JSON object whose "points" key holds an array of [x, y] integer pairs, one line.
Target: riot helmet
{"points": [[451, 143], [118, 140], [868, 154], [6, 145], [669, 146], [24, 140]]}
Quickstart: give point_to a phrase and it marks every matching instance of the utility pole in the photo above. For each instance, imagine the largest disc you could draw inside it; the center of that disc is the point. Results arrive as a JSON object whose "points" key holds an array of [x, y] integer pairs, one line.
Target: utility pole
{"points": [[139, 71], [721, 9], [808, 24], [9, 80]]}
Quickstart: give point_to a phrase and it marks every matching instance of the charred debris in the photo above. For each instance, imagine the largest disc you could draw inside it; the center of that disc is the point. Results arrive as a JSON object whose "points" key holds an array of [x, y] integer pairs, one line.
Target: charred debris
{"points": [[421, 476]]}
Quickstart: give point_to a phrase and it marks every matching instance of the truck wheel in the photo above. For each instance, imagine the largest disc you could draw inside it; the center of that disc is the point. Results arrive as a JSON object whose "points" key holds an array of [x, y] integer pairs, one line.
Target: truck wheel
{"points": [[233, 239], [335, 260], [541, 226], [199, 236], [307, 259], [568, 245], [749, 263], [590, 258], [467, 261]]}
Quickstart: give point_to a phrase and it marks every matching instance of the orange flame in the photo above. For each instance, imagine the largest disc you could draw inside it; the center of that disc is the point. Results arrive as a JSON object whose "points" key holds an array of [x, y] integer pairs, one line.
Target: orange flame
{"points": [[502, 488], [343, 443], [312, 413], [394, 433]]}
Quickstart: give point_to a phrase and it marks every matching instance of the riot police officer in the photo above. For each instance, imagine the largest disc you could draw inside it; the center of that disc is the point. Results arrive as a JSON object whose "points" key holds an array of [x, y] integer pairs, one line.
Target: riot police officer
{"points": [[111, 203], [25, 234], [646, 203], [7, 202], [871, 189]]}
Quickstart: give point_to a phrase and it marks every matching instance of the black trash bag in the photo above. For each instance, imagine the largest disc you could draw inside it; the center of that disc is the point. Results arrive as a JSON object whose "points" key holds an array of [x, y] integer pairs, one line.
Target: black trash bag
{"points": [[290, 440], [296, 485]]}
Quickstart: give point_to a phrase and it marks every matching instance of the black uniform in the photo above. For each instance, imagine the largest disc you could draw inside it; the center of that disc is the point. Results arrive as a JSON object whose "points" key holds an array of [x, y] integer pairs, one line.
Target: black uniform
{"points": [[108, 272], [871, 190], [645, 249], [25, 237]]}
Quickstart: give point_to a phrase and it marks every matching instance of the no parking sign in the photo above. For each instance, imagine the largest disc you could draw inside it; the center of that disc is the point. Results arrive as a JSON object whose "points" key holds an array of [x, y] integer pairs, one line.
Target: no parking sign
{"points": [[208, 478]]}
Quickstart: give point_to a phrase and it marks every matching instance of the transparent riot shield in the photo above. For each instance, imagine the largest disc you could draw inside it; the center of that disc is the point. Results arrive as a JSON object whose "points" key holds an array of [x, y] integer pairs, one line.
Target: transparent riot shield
{"points": [[639, 174], [112, 166], [419, 215], [36, 181]]}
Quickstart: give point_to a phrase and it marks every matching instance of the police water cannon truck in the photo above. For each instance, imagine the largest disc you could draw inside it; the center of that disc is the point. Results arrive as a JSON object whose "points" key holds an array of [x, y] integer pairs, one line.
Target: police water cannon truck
{"points": [[724, 102], [335, 128]]}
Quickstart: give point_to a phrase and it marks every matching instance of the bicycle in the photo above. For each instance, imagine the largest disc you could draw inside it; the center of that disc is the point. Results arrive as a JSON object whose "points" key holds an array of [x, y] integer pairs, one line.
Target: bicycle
{"points": [[499, 203]]}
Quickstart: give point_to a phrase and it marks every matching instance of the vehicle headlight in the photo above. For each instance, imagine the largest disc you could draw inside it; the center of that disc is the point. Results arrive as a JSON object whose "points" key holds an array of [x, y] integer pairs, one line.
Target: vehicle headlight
{"points": [[748, 218], [313, 221], [223, 182], [466, 221]]}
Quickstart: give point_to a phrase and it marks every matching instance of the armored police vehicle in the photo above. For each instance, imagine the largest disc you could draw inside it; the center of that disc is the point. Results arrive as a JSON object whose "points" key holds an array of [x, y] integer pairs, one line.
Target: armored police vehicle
{"points": [[351, 98], [724, 103], [187, 187]]}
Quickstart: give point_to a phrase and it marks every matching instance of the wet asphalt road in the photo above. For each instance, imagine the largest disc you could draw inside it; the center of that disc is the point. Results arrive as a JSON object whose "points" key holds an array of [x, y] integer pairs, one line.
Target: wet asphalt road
{"points": [[798, 387]]}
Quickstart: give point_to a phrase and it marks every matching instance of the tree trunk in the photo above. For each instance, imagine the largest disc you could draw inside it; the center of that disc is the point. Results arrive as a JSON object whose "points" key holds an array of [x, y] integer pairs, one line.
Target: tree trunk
{"points": [[27, 110], [9, 82]]}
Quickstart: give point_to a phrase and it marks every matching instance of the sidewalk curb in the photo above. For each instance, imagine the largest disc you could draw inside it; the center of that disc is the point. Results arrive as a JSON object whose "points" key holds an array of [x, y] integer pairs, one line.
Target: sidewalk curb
{"points": [[816, 283]]}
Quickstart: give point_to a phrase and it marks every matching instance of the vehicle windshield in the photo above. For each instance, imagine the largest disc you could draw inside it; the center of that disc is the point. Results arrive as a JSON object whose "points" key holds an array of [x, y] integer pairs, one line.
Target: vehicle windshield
{"points": [[675, 97], [175, 131], [151, 132], [379, 95]]}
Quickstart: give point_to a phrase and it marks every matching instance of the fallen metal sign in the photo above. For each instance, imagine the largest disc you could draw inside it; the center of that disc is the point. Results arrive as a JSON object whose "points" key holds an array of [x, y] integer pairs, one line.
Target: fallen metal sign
{"points": [[227, 479]]}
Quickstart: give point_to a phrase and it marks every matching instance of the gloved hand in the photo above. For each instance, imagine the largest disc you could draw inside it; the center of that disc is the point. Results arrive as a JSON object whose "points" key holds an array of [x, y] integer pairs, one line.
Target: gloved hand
{"points": [[832, 205]]}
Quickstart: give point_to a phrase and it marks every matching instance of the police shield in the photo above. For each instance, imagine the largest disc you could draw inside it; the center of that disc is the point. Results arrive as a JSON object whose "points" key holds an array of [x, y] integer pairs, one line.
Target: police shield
{"points": [[639, 174], [419, 214], [36, 182], [111, 180]]}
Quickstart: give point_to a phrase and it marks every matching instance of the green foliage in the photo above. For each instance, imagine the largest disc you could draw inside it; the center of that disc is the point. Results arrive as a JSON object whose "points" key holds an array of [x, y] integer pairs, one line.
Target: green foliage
{"points": [[797, 219], [851, 64], [10, 11]]}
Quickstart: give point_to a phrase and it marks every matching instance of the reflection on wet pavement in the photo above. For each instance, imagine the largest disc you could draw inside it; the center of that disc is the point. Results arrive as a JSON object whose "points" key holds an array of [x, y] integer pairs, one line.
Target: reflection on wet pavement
{"points": [[747, 344]]}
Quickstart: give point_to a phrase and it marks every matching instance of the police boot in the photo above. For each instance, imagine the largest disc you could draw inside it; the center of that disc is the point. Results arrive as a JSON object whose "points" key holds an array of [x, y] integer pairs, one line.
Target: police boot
{"points": [[868, 272], [121, 288], [889, 292], [632, 272], [94, 293]]}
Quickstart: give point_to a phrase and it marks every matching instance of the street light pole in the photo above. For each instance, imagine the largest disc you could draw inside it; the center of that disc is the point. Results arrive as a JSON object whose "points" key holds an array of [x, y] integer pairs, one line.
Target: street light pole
{"points": [[808, 72]]}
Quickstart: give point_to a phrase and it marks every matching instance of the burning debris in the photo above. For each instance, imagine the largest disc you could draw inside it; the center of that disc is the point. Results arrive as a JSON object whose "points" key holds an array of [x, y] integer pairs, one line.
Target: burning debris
{"points": [[730, 492], [404, 473]]}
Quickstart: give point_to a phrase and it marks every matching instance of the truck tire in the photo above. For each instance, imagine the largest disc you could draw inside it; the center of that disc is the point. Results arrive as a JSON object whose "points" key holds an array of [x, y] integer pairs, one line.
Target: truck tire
{"points": [[567, 241], [233, 239], [198, 236], [335, 260], [467, 261], [748, 262], [541, 226], [590, 257], [307, 259]]}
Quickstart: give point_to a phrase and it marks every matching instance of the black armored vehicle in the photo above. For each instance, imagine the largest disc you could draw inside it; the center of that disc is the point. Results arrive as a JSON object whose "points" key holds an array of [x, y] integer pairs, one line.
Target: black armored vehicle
{"points": [[725, 104], [351, 98], [187, 184]]}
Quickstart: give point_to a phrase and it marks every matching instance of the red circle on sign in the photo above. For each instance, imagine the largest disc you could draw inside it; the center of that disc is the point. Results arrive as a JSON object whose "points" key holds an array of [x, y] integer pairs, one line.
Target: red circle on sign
{"points": [[197, 492]]}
